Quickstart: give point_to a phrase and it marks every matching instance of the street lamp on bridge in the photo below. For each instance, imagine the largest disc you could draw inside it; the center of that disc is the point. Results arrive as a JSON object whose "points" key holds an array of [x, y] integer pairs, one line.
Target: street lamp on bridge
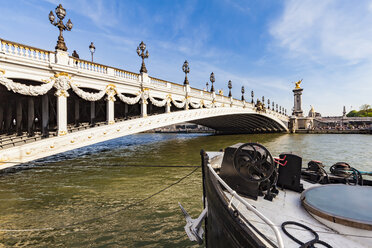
{"points": [[243, 93], [61, 13], [268, 103], [212, 81], [207, 84], [186, 69], [92, 49], [252, 95], [141, 52], [276, 107], [263, 101], [229, 85]]}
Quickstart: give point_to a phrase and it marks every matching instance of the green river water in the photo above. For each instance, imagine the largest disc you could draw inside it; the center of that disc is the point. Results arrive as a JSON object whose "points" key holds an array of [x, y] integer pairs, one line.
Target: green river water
{"points": [[83, 198]]}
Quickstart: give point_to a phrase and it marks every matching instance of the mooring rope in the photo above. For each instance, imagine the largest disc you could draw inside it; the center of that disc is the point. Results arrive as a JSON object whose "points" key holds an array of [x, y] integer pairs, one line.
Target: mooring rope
{"points": [[106, 215]]}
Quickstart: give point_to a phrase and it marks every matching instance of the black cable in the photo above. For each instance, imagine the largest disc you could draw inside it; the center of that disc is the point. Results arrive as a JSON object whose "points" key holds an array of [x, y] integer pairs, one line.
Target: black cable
{"points": [[308, 244]]}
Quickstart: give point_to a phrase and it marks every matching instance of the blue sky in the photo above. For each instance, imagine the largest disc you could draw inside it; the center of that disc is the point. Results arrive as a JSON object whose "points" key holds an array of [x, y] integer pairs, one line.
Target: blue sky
{"points": [[265, 45]]}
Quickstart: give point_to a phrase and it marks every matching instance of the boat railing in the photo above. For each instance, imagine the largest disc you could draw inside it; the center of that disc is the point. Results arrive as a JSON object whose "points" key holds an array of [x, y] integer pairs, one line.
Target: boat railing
{"points": [[250, 207]]}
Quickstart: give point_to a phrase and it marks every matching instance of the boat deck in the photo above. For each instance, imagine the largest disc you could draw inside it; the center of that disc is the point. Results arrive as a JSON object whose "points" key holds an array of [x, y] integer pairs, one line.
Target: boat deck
{"points": [[287, 206]]}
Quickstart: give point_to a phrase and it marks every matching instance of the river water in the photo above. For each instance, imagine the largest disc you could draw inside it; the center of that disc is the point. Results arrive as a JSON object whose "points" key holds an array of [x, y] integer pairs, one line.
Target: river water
{"points": [[97, 196]]}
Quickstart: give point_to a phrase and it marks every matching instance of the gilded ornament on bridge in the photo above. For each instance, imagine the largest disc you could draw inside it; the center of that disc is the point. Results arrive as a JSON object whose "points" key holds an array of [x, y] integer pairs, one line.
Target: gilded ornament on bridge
{"points": [[60, 74], [2, 71], [298, 84]]}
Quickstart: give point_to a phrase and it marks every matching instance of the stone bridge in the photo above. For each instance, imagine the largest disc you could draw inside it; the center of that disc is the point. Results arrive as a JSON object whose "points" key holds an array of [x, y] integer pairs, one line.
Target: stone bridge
{"points": [[61, 103]]}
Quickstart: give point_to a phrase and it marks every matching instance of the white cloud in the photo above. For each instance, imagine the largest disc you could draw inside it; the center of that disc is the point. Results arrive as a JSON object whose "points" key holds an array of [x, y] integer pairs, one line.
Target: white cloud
{"points": [[324, 30], [328, 43]]}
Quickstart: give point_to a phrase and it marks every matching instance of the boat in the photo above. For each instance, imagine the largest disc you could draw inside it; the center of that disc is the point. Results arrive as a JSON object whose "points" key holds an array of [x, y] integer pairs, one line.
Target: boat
{"points": [[254, 200]]}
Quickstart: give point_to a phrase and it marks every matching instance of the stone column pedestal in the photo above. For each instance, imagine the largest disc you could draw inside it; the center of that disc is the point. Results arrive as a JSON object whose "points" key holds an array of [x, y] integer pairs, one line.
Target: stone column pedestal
{"points": [[62, 114]]}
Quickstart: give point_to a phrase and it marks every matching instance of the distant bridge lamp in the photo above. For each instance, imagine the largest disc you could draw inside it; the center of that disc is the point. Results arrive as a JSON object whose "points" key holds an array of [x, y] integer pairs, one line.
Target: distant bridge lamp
{"points": [[229, 85], [263, 101], [186, 69], [276, 107], [212, 79], [273, 106], [243, 93], [92, 49], [144, 55], [268, 103], [61, 13], [207, 84], [252, 95]]}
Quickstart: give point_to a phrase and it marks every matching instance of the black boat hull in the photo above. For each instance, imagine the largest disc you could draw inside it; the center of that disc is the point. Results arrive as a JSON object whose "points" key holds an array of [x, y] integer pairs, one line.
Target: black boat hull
{"points": [[224, 226]]}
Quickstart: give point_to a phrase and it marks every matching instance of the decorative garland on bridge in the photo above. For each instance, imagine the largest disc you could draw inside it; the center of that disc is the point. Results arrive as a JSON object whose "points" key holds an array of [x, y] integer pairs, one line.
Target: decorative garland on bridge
{"points": [[22, 89], [196, 105], [92, 97], [179, 104], [129, 100], [158, 103]]}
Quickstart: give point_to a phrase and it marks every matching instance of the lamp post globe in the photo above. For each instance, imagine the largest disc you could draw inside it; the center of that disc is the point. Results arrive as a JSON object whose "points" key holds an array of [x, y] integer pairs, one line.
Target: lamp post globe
{"points": [[61, 13], [229, 85], [212, 79], [186, 69], [92, 49]]}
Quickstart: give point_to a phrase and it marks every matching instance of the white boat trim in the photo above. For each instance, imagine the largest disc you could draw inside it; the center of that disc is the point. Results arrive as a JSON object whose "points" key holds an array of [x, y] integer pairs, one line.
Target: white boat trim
{"points": [[250, 207]]}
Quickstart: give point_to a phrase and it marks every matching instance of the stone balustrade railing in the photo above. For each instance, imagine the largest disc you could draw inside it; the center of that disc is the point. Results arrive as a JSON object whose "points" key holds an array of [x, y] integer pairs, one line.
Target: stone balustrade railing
{"points": [[90, 66], [126, 74], [28, 52], [160, 82]]}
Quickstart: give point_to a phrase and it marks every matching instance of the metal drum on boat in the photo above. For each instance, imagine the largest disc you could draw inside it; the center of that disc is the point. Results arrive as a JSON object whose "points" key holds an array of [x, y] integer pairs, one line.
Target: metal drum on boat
{"points": [[343, 204]]}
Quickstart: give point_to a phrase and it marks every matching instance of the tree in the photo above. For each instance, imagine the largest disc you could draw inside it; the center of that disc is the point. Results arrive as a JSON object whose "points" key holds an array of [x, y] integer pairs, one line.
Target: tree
{"points": [[365, 108], [352, 113]]}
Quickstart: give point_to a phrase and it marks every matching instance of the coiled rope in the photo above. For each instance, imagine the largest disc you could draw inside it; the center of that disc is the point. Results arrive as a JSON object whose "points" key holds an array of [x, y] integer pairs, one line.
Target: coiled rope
{"points": [[308, 244]]}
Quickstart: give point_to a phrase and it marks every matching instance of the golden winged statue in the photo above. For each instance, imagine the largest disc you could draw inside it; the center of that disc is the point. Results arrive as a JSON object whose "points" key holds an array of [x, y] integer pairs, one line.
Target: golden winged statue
{"points": [[298, 84]]}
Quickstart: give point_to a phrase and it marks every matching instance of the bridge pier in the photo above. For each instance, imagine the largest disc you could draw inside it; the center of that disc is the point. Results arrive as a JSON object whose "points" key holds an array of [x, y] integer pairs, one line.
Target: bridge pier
{"points": [[110, 111], [143, 108], [45, 115], [31, 116], [92, 113], [125, 110], [77, 112], [9, 117], [1, 117], [168, 107], [62, 114], [19, 116]]}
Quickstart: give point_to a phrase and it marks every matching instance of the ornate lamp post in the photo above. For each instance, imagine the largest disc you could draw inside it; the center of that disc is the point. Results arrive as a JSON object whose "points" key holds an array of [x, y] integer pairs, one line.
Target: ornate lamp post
{"points": [[141, 52], [273, 106], [263, 101], [280, 109], [212, 81], [276, 107], [92, 49], [186, 69], [252, 95], [243, 93], [268, 103], [207, 84], [61, 13], [229, 85]]}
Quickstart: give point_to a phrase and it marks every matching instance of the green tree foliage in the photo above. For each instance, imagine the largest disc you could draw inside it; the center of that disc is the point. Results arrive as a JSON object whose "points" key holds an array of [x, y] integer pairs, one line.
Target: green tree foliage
{"points": [[365, 111]]}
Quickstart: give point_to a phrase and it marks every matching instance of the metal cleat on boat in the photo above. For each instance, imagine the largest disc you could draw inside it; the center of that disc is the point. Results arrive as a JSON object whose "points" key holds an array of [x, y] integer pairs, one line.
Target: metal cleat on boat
{"points": [[193, 226]]}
